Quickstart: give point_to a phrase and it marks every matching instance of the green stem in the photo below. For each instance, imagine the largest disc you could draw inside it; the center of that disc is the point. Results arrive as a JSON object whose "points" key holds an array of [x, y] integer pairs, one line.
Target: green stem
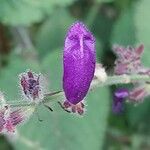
{"points": [[121, 79], [111, 80], [92, 14]]}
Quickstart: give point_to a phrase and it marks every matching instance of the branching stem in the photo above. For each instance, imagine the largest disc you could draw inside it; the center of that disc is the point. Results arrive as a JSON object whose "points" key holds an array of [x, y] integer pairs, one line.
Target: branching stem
{"points": [[111, 80]]}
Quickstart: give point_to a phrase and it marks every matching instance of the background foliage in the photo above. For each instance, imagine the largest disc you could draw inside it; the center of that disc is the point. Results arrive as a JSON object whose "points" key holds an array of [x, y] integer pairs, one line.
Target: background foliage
{"points": [[31, 36]]}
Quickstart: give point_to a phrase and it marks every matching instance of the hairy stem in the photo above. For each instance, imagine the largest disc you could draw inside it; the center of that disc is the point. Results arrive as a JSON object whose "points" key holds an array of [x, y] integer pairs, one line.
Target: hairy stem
{"points": [[111, 80]]}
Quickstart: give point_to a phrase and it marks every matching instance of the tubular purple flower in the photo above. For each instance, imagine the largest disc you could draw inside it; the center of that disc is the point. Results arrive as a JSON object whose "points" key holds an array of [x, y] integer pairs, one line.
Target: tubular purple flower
{"points": [[79, 60]]}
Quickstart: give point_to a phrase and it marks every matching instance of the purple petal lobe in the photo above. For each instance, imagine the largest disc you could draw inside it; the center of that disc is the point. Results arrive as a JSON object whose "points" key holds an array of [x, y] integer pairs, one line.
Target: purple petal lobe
{"points": [[121, 93], [79, 62]]}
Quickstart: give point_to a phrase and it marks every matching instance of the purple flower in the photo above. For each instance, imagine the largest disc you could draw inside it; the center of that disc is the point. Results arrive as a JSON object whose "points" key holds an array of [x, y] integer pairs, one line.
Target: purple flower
{"points": [[129, 60], [119, 97], [31, 86], [79, 60]]}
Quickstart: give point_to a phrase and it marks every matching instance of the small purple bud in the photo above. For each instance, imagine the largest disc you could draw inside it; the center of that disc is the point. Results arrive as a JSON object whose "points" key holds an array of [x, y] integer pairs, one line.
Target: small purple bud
{"points": [[79, 60], [31, 86], [119, 97]]}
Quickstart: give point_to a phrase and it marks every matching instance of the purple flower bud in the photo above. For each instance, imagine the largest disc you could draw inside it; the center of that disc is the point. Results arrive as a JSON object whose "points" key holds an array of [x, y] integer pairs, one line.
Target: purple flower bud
{"points": [[129, 60], [119, 97], [79, 62], [31, 86]]}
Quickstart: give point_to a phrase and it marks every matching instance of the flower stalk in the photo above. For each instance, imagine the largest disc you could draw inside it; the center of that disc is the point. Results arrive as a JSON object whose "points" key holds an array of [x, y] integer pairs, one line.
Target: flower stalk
{"points": [[111, 80]]}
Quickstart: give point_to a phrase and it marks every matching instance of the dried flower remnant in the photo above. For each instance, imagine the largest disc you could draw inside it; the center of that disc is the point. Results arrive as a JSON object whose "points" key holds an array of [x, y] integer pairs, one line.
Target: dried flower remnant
{"points": [[100, 73], [79, 65], [78, 108], [129, 60], [31, 86], [12, 117], [139, 93], [120, 96]]}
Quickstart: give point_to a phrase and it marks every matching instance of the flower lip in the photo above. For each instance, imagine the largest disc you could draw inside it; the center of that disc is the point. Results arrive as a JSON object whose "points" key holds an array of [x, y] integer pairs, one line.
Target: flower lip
{"points": [[121, 93]]}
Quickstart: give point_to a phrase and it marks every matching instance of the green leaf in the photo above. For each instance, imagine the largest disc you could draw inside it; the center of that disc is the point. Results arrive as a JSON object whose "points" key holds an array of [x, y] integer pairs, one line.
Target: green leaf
{"points": [[142, 21], [105, 1], [19, 12], [9, 79], [138, 115], [61, 130], [26, 12], [124, 29], [4, 144], [52, 33]]}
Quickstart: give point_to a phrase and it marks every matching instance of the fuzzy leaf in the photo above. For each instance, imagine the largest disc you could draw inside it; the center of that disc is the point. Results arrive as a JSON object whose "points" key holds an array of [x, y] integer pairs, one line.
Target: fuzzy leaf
{"points": [[124, 29], [52, 32], [26, 12], [142, 21], [9, 79]]}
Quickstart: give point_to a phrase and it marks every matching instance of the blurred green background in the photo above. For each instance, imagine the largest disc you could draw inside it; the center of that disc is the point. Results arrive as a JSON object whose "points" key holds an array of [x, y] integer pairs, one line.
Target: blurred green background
{"points": [[32, 36]]}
